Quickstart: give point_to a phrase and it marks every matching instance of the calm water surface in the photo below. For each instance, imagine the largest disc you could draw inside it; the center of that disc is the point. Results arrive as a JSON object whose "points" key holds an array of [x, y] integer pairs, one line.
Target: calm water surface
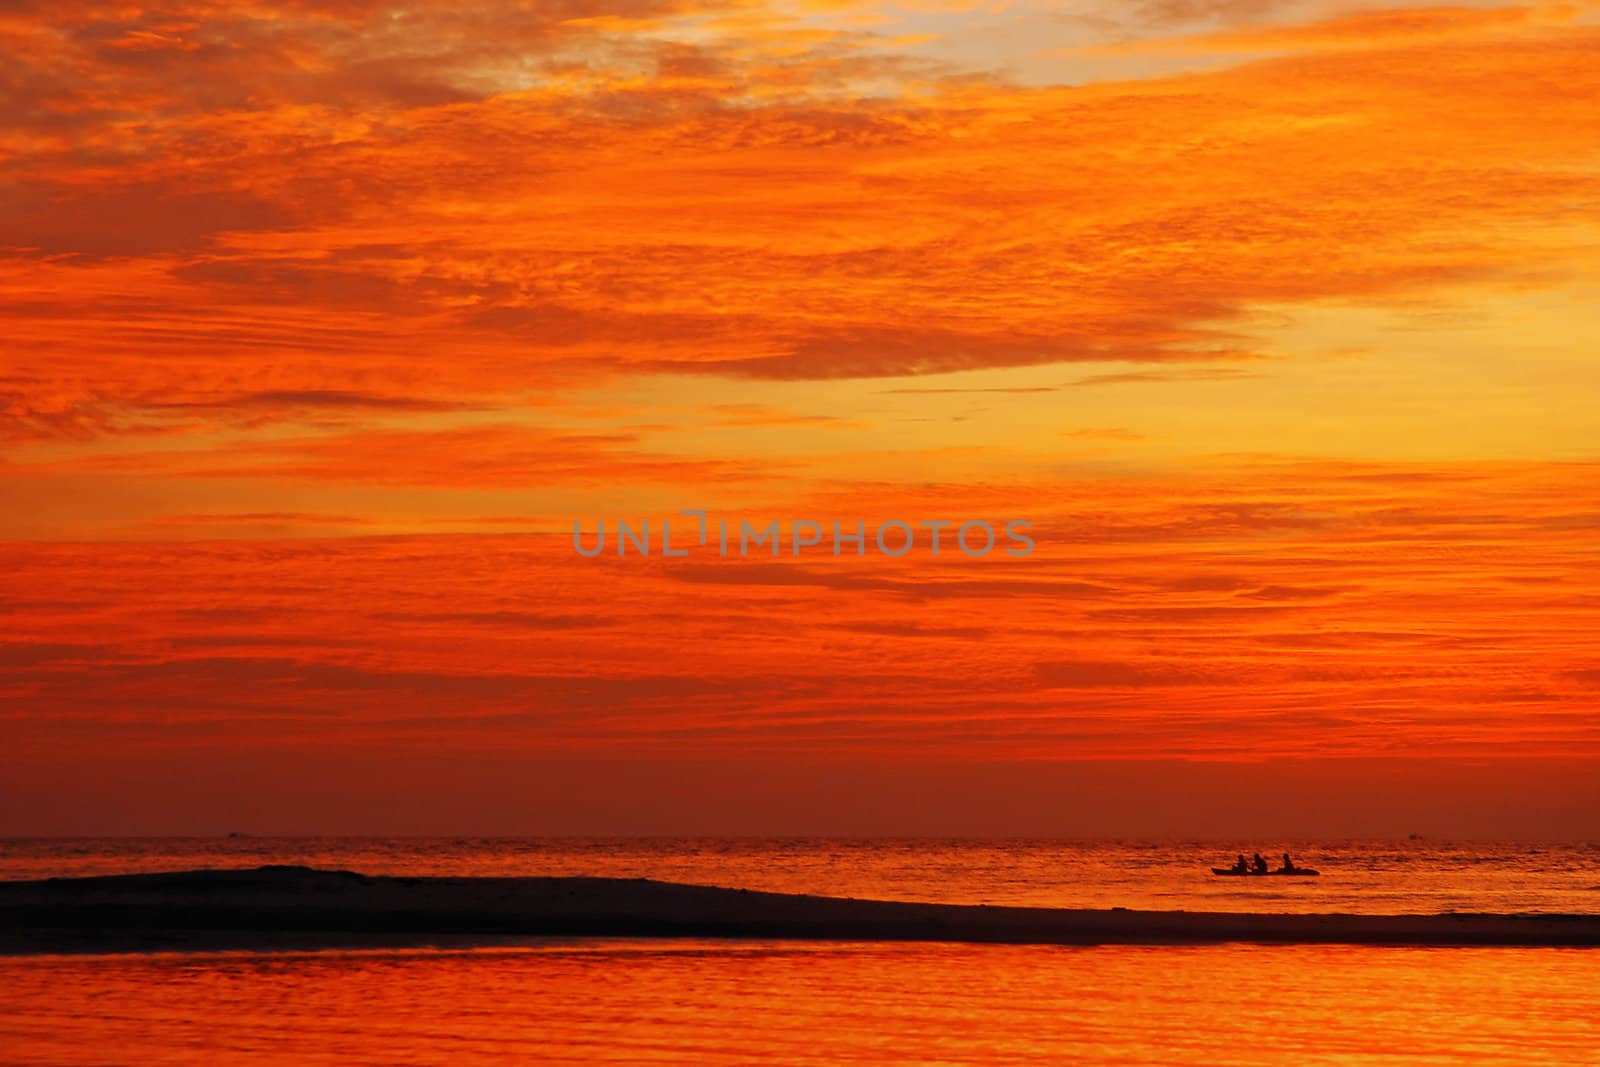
{"points": [[740, 1003], [743, 1002], [1357, 876]]}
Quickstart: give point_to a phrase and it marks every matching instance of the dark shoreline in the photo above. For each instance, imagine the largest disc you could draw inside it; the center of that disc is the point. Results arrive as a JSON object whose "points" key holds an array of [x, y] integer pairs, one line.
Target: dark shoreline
{"points": [[299, 907]]}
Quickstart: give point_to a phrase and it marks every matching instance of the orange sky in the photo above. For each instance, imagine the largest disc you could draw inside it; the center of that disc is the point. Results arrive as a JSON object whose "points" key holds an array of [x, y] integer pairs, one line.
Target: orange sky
{"points": [[323, 321]]}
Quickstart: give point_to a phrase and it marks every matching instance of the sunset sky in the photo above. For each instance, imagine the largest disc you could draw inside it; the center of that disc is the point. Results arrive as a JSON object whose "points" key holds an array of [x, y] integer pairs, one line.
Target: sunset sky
{"points": [[323, 320]]}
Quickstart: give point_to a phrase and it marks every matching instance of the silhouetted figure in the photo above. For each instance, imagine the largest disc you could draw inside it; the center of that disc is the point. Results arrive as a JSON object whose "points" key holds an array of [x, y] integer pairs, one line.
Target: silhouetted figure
{"points": [[1242, 867], [1261, 864], [1288, 864]]}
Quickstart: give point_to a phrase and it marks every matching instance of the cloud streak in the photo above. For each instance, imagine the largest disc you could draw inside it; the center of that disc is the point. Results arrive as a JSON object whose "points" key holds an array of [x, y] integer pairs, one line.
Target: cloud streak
{"points": [[613, 203]]}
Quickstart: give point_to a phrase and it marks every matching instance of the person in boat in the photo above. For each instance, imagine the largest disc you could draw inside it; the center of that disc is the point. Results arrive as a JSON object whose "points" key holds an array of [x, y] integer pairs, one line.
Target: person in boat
{"points": [[1260, 864], [1288, 864], [1241, 867]]}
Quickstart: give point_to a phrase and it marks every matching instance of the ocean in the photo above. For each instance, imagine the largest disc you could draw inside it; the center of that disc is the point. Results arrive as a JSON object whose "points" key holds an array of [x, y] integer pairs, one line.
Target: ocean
{"points": [[739, 1002], [1371, 877]]}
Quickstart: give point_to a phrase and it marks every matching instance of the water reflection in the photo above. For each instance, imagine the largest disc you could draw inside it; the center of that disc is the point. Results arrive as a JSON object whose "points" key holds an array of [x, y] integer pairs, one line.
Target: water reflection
{"points": [[719, 1003]]}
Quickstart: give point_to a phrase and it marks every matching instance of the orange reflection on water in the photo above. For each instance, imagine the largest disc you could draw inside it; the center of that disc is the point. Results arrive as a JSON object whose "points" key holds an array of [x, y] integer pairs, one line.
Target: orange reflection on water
{"points": [[715, 1003]]}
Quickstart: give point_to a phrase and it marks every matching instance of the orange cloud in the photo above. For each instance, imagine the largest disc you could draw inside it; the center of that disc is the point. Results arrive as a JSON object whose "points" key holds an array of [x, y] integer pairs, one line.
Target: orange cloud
{"points": [[335, 231], [1274, 610], [280, 281], [1365, 30]]}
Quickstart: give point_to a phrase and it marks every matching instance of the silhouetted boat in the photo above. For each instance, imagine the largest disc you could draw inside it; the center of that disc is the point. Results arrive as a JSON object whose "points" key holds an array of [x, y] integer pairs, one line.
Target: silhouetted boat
{"points": [[1296, 873]]}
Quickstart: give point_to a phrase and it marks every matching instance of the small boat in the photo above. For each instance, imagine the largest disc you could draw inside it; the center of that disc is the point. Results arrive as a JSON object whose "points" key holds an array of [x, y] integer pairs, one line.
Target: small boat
{"points": [[1297, 872]]}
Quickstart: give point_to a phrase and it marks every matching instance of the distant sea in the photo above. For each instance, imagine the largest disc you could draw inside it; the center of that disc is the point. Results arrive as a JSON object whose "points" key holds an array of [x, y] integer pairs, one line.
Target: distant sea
{"points": [[741, 1002], [1395, 877]]}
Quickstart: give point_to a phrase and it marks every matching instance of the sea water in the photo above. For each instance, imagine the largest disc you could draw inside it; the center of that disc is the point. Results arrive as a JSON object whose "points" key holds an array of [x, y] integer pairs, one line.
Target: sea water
{"points": [[751, 1002], [1375, 877], [741, 1002]]}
